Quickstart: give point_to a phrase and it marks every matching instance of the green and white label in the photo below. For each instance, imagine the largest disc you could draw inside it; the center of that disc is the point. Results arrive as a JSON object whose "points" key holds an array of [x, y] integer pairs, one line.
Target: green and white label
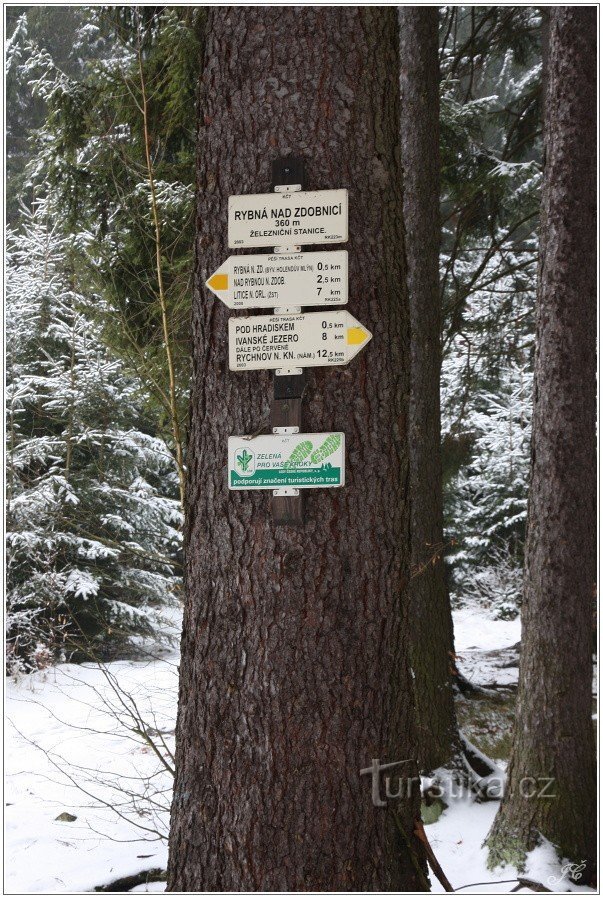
{"points": [[274, 461]]}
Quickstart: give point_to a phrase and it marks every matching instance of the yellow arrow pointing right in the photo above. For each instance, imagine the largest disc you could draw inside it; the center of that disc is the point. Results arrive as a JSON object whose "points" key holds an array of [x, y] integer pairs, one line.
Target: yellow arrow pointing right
{"points": [[357, 335]]}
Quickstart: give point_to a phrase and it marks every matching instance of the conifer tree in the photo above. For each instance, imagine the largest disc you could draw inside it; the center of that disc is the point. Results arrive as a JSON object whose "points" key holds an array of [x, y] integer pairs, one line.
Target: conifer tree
{"points": [[552, 773], [93, 534], [114, 160], [294, 671], [491, 180]]}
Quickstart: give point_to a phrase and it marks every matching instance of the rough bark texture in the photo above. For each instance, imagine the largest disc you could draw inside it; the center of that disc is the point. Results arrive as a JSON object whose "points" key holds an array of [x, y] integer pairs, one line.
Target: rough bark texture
{"points": [[431, 633], [554, 731], [294, 669]]}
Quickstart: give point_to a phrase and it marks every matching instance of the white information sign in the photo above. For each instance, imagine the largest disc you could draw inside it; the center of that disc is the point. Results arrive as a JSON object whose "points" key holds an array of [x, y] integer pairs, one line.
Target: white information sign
{"points": [[291, 279], [309, 340], [288, 219], [274, 461]]}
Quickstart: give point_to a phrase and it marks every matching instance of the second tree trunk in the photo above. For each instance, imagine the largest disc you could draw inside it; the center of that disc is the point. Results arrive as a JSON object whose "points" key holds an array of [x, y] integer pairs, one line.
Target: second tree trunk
{"points": [[431, 634], [552, 783]]}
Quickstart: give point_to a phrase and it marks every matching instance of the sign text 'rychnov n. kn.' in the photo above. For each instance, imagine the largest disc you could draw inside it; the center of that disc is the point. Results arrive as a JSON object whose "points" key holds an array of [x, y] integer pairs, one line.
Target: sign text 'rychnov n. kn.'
{"points": [[275, 461], [291, 279], [288, 219], [308, 340]]}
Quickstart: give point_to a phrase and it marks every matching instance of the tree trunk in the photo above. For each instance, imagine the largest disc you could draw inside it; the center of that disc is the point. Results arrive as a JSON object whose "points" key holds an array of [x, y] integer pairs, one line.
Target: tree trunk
{"points": [[554, 738], [294, 671], [431, 633]]}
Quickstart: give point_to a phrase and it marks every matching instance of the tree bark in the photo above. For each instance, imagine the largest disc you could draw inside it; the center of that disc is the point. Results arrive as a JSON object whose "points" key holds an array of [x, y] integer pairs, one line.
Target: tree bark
{"points": [[554, 736], [430, 621], [294, 670]]}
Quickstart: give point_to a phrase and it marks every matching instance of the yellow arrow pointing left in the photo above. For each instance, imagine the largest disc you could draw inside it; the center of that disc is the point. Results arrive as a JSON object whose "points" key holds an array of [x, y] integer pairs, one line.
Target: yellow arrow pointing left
{"points": [[218, 281]]}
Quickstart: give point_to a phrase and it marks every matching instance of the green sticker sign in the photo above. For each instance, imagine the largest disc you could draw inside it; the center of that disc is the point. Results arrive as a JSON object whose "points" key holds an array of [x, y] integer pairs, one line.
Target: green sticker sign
{"points": [[275, 461]]}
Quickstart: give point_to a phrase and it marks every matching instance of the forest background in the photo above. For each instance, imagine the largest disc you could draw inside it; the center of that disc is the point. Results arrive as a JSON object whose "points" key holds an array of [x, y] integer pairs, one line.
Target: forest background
{"points": [[100, 175], [100, 178]]}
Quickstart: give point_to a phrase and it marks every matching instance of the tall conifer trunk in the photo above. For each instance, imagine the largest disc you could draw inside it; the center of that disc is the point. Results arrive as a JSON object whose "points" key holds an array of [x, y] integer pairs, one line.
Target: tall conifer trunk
{"points": [[553, 750], [294, 670], [431, 634]]}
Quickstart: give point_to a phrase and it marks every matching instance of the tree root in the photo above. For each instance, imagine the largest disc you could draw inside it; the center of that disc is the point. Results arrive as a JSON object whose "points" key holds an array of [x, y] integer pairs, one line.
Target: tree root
{"points": [[471, 690]]}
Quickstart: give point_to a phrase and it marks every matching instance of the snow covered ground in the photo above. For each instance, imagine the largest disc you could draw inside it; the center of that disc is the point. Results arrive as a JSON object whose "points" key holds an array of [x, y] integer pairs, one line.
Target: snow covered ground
{"points": [[485, 647], [456, 839], [95, 744], [77, 724]]}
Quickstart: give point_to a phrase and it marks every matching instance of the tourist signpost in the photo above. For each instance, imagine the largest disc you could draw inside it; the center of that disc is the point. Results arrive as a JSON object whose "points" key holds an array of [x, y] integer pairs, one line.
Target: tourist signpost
{"points": [[294, 461], [309, 340], [287, 341], [288, 218], [289, 279]]}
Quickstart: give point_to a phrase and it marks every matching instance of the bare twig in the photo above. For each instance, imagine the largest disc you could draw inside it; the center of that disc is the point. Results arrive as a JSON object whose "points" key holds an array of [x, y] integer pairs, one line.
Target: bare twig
{"points": [[162, 299]]}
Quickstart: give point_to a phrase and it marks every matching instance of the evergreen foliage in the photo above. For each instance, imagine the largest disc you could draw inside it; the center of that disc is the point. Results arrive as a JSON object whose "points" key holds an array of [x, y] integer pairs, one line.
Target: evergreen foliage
{"points": [[491, 146], [89, 165], [487, 411], [27, 28], [93, 526]]}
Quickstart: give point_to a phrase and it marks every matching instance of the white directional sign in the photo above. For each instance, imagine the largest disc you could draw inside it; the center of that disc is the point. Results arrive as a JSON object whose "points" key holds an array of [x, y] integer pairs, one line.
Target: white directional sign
{"points": [[300, 461], [292, 279], [308, 340], [285, 219]]}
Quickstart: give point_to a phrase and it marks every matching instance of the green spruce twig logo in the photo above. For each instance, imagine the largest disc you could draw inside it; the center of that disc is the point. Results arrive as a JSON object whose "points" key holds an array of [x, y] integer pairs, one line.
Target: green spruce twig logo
{"points": [[244, 459]]}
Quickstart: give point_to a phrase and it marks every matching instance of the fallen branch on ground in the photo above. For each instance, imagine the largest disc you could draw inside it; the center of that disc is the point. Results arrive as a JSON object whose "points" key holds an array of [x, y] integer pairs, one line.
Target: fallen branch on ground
{"points": [[432, 859], [127, 883]]}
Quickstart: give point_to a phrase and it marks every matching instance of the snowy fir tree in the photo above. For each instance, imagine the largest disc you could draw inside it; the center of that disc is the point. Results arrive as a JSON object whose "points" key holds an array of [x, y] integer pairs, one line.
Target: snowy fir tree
{"points": [[92, 513], [487, 499], [113, 159], [491, 179]]}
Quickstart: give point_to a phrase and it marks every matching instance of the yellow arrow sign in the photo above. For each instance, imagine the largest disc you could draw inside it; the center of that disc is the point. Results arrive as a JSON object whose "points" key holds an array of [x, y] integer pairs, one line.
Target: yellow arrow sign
{"points": [[218, 281], [269, 281], [304, 340], [357, 335]]}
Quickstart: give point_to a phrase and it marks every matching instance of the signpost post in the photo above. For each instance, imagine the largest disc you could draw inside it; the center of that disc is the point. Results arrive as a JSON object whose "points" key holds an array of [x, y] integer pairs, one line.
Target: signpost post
{"points": [[288, 176]]}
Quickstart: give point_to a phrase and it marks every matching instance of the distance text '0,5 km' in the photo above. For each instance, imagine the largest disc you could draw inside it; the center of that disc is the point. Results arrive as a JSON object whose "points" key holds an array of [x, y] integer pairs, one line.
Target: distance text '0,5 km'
{"points": [[286, 219]]}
